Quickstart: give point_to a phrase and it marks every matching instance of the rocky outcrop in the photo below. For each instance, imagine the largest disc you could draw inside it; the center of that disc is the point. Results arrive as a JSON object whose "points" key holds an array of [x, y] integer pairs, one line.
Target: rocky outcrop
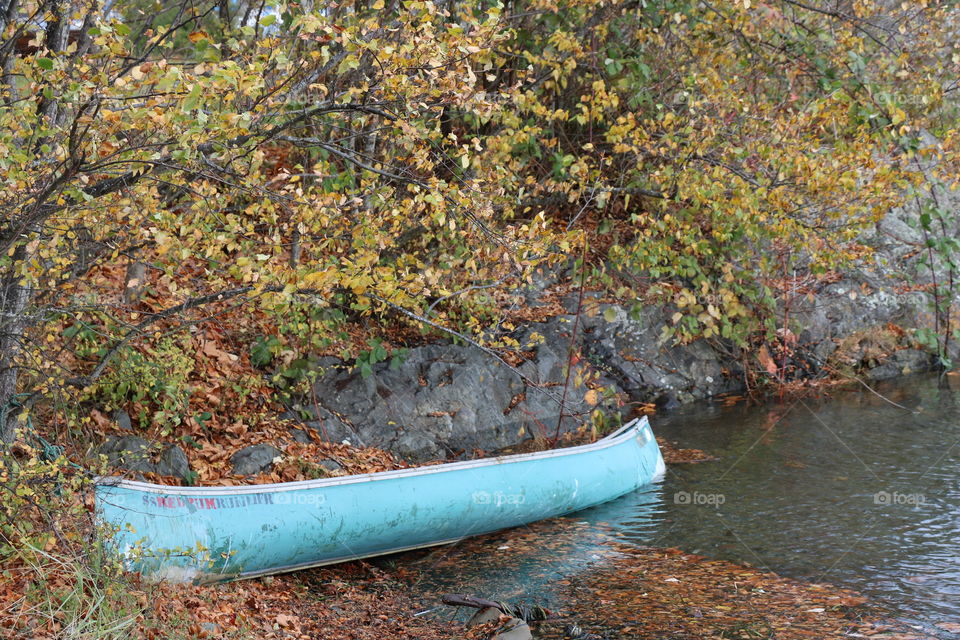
{"points": [[885, 291], [447, 399], [628, 347]]}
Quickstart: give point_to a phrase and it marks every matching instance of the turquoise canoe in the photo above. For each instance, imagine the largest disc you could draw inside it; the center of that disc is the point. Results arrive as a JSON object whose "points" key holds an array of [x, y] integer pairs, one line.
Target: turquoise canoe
{"points": [[205, 534]]}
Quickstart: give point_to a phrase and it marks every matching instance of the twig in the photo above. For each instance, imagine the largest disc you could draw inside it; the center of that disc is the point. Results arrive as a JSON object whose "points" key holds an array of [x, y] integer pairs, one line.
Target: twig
{"points": [[836, 371], [573, 340], [475, 287], [526, 613], [871, 389], [166, 313], [458, 600]]}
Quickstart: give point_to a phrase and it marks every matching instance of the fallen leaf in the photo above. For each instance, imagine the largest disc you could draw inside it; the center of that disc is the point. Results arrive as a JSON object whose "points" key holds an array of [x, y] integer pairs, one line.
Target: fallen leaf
{"points": [[767, 360]]}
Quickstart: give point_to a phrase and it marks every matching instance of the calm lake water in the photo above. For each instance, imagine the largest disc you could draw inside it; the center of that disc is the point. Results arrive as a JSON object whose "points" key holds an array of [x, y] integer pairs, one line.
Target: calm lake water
{"points": [[848, 489]]}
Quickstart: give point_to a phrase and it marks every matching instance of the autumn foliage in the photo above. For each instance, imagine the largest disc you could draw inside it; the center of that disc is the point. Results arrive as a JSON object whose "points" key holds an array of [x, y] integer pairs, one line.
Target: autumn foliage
{"points": [[387, 163], [197, 197]]}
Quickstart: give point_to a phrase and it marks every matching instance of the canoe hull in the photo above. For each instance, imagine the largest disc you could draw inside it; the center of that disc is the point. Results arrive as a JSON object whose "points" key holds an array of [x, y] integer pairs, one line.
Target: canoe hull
{"points": [[223, 533]]}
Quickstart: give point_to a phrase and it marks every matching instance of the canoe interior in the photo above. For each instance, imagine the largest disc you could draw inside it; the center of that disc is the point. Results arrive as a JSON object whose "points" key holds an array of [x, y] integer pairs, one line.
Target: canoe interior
{"points": [[221, 533]]}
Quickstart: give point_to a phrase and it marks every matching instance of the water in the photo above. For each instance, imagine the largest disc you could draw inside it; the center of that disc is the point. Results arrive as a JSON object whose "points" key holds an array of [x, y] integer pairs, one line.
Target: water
{"points": [[850, 490]]}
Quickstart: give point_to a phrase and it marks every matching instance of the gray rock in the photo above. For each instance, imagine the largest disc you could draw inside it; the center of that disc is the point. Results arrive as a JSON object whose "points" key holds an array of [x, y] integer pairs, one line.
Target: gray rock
{"points": [[902, 362], [631, 351], [883, 371], [913, 360], [542, 279], [861, 303], [330, 465], [254, 459], [301, 436], [210, 627], [136, 454], [880, 289], [173, 462], [122, 418], [129, 452], [446, 398]]}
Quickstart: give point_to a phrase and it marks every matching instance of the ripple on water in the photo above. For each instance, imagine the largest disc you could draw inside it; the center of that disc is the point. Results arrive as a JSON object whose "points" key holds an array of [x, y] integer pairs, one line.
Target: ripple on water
{"points": [[850, 490]]}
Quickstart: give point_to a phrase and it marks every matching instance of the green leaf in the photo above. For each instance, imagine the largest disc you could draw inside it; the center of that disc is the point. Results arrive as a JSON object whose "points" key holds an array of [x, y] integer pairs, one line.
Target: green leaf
{"points": [[45, 63], [268, 20], [348, 63], [192, 100], [73, 330], [261, 351]]}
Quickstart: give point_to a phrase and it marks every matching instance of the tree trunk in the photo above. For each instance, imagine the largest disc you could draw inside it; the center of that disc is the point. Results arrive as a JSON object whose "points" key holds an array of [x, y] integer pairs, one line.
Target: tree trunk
{"points": [[14, 298], [135, 281], [8, 10]]}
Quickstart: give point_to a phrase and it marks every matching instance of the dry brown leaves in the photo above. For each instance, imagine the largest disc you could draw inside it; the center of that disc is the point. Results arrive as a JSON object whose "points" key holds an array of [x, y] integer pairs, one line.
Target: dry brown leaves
{"points": [[666, 593], [634, 593], [624, 592], [232, 405], [672, 454], [352, 601], [299, 462]]}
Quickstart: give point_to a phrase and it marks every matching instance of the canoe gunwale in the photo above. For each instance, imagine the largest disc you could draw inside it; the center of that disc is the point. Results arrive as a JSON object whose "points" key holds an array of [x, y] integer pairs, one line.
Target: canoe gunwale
{"points": [[623, 434]]}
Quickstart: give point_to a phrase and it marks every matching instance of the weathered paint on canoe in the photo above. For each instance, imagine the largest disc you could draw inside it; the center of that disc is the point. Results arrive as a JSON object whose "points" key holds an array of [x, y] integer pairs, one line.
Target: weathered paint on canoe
{"points": [[223, 533]]}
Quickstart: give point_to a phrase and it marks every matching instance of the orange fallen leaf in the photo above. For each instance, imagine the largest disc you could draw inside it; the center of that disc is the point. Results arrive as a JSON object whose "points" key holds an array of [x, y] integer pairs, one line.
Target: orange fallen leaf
{"points": [[767, 360], [287, 621]]}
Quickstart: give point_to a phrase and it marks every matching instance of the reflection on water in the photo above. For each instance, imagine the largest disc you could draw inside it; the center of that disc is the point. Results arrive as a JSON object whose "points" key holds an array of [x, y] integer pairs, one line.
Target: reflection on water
{"points": [[526, 564], [850, 490]]}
